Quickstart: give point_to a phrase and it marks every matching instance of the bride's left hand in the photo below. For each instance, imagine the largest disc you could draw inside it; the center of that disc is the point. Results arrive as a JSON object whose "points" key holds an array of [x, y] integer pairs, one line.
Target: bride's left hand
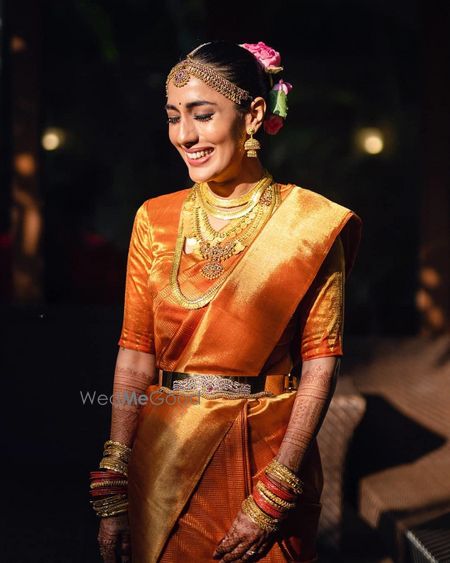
{"points": [[245, 541]]}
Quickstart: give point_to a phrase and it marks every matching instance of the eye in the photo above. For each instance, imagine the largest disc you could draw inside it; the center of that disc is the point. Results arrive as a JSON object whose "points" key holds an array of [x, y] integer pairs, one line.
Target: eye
{"points": [[172, 119], [203, 116]]}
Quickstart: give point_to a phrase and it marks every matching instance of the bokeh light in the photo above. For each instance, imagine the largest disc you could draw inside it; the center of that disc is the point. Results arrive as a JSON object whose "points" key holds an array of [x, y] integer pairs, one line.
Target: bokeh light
{"points": [[53, 138], [370, 140]]}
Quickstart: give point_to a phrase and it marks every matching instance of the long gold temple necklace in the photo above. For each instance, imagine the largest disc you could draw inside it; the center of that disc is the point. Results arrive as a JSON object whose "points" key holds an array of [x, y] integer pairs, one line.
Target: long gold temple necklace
{"points": [[219, 252]]}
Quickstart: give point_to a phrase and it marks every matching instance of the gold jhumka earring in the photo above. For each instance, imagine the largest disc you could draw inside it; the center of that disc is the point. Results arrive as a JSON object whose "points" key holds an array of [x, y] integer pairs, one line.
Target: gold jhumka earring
{"points": [[252, 145]]}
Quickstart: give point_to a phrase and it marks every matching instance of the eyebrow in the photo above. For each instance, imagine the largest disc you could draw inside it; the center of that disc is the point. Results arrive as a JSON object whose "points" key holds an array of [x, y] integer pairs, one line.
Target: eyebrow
{"points": [[191, 105]]}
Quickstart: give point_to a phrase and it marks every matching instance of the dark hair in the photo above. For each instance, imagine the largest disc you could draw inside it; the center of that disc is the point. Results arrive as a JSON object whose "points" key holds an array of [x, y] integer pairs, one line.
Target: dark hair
{"points": [[237, 65]]}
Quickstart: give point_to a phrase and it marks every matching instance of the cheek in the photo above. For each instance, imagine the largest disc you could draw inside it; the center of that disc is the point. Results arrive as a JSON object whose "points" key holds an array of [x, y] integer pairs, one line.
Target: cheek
{"points": [[171, 135], [232, 140]]}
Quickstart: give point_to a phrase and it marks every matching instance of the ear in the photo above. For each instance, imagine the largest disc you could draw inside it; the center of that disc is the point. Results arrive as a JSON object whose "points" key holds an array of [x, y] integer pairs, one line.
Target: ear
{"points": [[255, 114]]}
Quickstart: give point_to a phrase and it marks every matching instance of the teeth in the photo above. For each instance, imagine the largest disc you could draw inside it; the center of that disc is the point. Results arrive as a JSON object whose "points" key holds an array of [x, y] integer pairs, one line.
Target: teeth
{"points": [[199, 154]]}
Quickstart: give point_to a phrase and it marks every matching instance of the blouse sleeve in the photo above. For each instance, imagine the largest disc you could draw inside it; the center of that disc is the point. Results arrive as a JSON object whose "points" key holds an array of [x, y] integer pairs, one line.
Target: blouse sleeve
{"points": [[137, 328], [322, 309]]}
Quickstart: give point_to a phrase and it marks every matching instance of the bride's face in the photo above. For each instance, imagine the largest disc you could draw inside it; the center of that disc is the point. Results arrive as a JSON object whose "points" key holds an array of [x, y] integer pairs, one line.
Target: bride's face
{"points": [[207, 130]]}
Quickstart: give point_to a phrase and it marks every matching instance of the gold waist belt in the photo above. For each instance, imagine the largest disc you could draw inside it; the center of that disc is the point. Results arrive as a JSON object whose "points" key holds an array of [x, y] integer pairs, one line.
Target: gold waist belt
{"points": [[210, 384]]}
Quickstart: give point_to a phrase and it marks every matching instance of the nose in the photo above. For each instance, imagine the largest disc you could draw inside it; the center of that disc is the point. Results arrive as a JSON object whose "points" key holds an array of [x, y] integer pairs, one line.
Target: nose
{"points": [[187, 132]]}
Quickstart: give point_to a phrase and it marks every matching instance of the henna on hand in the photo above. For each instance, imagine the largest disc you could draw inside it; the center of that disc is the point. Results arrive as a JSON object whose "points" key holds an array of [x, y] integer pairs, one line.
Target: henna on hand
{"points": [[243, 537], [316, 387]]}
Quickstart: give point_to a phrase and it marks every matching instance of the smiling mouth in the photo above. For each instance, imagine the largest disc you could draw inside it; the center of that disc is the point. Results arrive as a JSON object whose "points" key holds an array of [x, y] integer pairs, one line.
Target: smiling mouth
{"points": [[199, 154]]}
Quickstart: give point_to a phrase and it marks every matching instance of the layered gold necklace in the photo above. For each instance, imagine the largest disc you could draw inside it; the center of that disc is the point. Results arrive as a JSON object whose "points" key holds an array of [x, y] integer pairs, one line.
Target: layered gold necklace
{"points": [[225, 208], [216, 247]]}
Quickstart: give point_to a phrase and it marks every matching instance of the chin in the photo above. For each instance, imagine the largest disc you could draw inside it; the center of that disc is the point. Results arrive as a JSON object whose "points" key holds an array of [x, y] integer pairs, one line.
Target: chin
{"points": [[199, 175]]}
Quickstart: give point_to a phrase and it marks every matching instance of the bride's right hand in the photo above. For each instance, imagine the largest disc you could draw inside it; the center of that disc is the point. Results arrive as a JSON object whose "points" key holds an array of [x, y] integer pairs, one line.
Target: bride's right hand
{"points": [[114, 537]]}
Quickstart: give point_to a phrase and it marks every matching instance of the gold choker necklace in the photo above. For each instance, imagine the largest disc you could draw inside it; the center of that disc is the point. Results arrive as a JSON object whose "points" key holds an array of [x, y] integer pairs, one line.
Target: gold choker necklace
{"points": [[232, 213], [214, 200]]}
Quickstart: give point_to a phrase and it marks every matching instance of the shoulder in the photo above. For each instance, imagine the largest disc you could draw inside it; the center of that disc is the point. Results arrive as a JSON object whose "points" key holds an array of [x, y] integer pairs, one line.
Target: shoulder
{"points": [[313, 201], [153, 207], [319, 214]]}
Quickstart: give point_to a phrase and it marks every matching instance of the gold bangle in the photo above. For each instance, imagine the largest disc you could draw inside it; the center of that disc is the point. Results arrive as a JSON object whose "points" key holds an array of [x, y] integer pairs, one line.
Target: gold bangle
{"points": [[110, 508], [116, 451], [116, 483], [114, 465], [283, 470], [294, 486], [105, 502], [118, 445], [260, 518], [109, 500], [116, 456], [113, 513], [113, 447], [250, 505], [285, 475], [273, 499], [114, 506]]}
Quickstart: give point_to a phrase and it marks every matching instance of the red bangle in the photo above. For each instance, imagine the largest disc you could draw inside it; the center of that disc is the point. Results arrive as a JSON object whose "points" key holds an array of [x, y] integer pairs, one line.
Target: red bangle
{"points": [[265, 506], [276, 489], [106, 474]]}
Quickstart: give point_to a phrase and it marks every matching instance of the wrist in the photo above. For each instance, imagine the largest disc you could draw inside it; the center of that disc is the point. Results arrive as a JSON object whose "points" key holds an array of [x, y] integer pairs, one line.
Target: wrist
{"points": [[286, 477], [109, 484], [287, 460]]}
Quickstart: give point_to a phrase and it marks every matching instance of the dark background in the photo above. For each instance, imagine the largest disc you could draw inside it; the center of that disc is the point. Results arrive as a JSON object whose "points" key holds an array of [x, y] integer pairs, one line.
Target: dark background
{"points": [[352, 64], [96, 70]]}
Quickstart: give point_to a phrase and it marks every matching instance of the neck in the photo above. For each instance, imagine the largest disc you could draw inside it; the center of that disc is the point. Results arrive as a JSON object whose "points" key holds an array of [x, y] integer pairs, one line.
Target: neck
{"points": [[240, 182]]}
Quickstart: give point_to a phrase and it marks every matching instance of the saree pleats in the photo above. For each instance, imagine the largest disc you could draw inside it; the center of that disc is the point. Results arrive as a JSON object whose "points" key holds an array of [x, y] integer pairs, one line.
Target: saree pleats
{"points": [[193, 463]]}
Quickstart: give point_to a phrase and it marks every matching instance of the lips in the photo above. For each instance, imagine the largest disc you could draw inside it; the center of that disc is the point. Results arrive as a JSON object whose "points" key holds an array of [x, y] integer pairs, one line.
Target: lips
{"points": [[199, 157]]}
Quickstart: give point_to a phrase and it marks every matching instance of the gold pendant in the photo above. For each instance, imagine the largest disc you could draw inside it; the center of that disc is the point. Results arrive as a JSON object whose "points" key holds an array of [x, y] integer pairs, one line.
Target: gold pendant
{"points": [[212, 270]]}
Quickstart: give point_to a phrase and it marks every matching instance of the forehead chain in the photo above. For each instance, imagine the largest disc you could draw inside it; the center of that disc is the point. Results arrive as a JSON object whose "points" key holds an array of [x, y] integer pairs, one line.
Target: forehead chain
{"points": [[181, 74]]}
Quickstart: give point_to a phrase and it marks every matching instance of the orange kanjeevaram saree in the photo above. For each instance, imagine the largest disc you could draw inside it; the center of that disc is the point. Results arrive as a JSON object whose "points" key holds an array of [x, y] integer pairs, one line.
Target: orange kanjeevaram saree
{"points": [[195, 459]]}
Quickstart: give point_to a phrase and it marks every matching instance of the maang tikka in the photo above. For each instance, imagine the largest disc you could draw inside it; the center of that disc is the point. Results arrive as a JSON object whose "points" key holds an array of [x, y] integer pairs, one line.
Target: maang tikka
{"points": [[252, 145]]}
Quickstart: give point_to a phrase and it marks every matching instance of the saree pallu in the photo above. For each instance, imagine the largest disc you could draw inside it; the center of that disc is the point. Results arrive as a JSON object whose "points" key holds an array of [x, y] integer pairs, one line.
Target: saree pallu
{"points": [[195, 460]]}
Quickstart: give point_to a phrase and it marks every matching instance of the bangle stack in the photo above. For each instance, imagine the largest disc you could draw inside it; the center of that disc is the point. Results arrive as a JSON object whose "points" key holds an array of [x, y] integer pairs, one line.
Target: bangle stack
{"points": [[109, 484], [259, 517], [275, 494], [116, 457], [283, 474], [110, 506]]}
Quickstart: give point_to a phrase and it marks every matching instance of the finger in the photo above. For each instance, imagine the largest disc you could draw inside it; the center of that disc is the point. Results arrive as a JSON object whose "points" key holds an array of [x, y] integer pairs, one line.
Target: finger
{"points": [[125, 548], [263, 549], [108, 551], [228, 543], [238, 552], [217, 551], [250, 553]]}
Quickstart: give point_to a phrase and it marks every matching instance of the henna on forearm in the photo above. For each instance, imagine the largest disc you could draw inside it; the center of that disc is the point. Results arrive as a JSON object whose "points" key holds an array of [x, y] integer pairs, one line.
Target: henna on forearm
{"points": [[314, 394], [134, 372]]}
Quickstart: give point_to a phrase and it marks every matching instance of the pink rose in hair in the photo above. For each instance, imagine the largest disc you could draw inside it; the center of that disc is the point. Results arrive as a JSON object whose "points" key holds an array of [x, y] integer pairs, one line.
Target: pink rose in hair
{"points": [[273, 124], [267, 56]]}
